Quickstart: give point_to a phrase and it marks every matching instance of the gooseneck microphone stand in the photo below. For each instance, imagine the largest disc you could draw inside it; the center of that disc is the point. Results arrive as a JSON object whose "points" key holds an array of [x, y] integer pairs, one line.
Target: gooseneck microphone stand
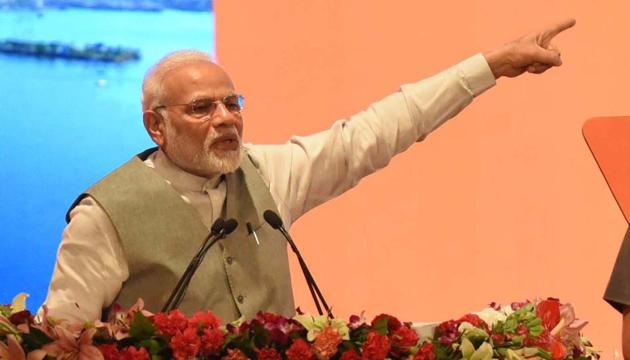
{"points": [[218, 231], [276, 222]]}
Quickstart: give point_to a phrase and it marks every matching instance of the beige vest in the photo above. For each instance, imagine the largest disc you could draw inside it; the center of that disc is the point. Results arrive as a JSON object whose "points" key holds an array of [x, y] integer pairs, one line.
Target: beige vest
{"points": [[160, 233]]}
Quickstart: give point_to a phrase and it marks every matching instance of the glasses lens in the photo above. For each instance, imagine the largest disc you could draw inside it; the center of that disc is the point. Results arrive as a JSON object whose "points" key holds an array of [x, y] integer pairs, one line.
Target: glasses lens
{"points": [[233, 103], [201, 108]]}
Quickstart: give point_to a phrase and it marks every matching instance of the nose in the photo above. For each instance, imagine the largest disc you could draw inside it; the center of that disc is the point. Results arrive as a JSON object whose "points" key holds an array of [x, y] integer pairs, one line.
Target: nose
{"points": [[223, 117]]}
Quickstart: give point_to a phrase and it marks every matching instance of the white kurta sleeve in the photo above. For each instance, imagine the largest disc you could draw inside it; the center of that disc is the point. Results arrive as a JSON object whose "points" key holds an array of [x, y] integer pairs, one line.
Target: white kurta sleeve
{"points": [[90, 267], [307, 171]]}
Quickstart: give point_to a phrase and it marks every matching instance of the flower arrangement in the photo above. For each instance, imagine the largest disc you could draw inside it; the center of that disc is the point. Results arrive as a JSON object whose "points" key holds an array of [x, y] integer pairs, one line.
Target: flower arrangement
{"points": [[543, 329]]}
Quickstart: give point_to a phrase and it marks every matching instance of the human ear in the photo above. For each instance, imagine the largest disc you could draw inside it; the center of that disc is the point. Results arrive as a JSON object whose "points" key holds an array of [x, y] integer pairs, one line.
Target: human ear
{"points": [[154, 124]]}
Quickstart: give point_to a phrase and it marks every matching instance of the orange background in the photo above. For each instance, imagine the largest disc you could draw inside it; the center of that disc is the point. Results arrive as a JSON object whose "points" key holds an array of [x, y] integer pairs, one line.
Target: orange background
{"points": [[503, 203]]}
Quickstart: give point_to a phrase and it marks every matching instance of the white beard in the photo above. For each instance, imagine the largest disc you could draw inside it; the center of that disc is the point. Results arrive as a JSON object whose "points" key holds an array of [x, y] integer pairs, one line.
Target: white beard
{"points": [[202, 162]]}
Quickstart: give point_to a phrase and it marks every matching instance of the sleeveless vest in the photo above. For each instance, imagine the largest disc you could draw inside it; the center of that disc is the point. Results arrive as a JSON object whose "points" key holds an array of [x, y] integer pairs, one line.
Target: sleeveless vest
{"points": [[160, 233]]}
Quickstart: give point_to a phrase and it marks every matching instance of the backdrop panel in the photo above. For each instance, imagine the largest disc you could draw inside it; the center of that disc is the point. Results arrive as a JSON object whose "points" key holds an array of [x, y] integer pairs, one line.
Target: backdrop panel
{"points": [[504, 202]]}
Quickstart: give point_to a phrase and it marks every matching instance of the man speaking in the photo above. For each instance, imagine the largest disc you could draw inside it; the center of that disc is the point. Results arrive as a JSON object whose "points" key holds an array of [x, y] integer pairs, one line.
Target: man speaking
{"points": [[133, 234]]}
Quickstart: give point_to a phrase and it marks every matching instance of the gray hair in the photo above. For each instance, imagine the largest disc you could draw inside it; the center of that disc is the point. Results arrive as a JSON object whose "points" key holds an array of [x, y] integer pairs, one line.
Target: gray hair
{"points": [[152, 89]]}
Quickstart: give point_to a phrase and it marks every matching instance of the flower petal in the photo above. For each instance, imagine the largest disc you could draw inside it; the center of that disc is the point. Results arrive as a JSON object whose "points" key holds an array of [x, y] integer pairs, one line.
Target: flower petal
{"points": [[15, 349]]}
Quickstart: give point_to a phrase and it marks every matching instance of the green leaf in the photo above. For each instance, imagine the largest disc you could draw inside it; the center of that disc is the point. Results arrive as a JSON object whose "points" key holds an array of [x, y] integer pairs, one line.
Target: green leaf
{"points": [[544, 354], [530, 351], [517, 340], [5, 310], [535, 322], [152, 345], [536, 331], [141, 327], [381, 325], [35, 339]]}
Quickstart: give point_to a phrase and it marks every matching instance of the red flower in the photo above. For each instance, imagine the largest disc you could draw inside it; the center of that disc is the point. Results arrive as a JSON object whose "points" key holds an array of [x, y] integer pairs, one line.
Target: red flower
{"points": [[403, 339], [21, 317], [268, 354], [475, 320], [265, 317], [235, 354], [558, 350], [549, 343], [202, 320], [549, 311], [212, 341], [131, 353], [350, 355], [425, 352], [393, 324], [299, 350], [448, 332], [498, 338], [376, 347], [185, 344], [109, 351], [172, 323], [326, 343]]}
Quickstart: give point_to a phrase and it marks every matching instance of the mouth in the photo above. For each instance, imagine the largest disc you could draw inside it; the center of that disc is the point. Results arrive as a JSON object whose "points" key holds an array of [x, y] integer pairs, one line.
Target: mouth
{"points": [[227, 142]]}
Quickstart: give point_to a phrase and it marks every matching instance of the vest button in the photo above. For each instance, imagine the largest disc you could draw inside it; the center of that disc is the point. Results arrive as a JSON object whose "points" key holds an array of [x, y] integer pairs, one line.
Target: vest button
{"points": [[240, 299], [229, 260]]}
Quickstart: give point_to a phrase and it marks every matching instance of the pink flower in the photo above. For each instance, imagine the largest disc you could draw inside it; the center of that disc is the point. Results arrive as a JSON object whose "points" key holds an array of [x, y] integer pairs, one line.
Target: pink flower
{"points": [[13, 351], [326, 343], [376, 347], [299, 350], [185, 344], [66, 346], [447, 332]]}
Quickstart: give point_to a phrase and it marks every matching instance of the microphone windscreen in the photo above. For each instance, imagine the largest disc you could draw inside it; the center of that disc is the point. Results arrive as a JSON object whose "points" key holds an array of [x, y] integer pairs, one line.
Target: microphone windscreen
{"points": [[272, 219], [217, 226], [229, 226]]}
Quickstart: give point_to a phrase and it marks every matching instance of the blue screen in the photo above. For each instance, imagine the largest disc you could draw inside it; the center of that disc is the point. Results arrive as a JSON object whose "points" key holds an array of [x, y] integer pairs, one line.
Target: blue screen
{"points": [[65, 123]]}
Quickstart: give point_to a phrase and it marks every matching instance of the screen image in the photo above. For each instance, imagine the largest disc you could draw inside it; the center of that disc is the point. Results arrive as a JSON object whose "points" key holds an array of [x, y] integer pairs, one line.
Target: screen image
{"points": [[70, 84]]}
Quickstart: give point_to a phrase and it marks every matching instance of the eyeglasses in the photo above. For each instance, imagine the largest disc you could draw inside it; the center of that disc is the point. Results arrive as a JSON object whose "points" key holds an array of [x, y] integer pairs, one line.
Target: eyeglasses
{"points": [[202, 108]]}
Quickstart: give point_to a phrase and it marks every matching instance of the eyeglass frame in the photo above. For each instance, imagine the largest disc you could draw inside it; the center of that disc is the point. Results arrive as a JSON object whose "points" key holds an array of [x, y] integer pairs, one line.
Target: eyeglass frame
{"points": [[240, 100]]}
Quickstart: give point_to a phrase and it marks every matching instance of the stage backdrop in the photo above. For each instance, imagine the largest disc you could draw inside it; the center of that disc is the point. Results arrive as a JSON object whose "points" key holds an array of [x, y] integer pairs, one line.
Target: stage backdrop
{"points": [[502, 203]]}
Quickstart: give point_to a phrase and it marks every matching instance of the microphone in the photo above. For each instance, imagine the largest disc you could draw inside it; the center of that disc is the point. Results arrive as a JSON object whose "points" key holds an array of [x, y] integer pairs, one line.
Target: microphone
{"points": [[276, 222], [219, 229], [230, 226]]}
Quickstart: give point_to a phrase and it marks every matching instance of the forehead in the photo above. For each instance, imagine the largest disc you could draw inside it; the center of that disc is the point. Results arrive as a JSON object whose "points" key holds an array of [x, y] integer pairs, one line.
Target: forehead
{"points": [[195, 80]]}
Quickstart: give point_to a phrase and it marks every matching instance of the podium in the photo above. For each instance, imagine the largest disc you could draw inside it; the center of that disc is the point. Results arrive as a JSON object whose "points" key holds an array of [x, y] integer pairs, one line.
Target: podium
{"points": [[608, 138]]}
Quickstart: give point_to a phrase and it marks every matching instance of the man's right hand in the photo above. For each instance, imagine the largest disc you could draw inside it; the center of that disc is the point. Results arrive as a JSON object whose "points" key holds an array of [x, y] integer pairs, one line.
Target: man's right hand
{"points": [[533, 53]]}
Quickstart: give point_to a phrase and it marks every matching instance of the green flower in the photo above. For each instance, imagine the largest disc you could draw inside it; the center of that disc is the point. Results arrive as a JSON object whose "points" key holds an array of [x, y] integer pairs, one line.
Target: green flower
{"points": [[315, 324], [484, 352]]}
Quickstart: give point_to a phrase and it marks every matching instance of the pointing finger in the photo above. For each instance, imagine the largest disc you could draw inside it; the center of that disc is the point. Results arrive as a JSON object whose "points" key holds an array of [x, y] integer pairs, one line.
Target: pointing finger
{"points": [[556, 29]]}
